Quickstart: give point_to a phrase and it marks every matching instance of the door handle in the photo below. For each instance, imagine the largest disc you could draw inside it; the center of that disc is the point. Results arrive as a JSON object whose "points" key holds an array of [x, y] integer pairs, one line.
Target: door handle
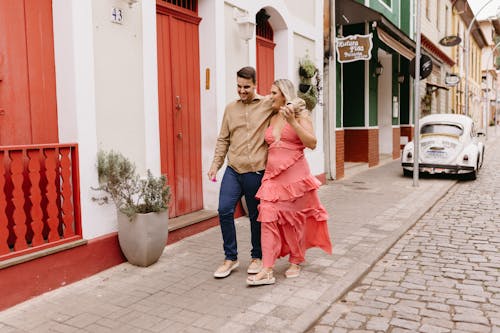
{"points": [[2, 112], [178, 104], [179, 135]]}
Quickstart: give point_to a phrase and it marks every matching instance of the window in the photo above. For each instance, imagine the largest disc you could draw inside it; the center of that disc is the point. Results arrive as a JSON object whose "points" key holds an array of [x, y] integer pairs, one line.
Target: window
{"points": [[191, 5], [427, 9], [447, 129]]}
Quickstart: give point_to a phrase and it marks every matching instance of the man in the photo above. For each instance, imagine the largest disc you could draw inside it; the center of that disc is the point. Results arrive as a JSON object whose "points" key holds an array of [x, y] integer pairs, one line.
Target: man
{"points": [[241, 138]]}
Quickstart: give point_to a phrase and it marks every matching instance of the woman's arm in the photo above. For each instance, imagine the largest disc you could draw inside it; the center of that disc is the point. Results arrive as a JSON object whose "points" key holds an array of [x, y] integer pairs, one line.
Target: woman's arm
{"points": [[302, 125]]}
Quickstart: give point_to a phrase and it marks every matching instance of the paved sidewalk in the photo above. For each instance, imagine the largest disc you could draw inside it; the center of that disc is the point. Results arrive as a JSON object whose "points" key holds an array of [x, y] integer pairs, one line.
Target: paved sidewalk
{"points": [[369, 213]]}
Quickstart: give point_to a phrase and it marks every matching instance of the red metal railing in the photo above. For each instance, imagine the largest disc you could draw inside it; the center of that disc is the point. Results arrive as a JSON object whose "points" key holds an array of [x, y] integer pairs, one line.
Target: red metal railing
{"points": [[39, 198]]}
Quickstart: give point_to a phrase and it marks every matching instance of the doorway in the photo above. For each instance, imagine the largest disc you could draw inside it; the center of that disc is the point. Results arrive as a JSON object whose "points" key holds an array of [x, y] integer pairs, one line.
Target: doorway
{"points": [[265, 53], [384, 104], [179, 104]]}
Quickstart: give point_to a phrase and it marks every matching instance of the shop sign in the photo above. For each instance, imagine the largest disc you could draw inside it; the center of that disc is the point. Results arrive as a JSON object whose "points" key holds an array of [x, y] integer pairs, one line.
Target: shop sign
{"points": [[451, 80], [425, 66], [354, 48]]}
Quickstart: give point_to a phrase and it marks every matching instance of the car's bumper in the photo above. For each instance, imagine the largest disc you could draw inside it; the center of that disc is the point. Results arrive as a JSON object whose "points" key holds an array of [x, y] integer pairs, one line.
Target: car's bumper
{"points": [[439, 168]]}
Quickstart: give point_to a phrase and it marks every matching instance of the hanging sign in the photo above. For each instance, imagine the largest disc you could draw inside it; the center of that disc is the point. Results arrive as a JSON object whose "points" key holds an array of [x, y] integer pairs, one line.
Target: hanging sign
{"points": [[450, 40], [451, 80], [425, 66], [354, 48]]}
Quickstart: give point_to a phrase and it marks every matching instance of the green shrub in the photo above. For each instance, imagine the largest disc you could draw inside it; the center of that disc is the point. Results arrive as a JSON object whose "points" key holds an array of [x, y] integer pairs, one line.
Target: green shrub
{"points": [[130, 193]]}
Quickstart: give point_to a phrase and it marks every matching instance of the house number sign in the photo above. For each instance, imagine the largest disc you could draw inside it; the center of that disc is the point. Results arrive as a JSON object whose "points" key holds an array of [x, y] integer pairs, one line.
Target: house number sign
{"points": [[354, 48], [116, 15]]}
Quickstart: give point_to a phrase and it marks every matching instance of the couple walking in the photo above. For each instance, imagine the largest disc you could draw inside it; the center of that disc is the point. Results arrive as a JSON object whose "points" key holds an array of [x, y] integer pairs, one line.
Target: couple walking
{"points": [[289, 218]]}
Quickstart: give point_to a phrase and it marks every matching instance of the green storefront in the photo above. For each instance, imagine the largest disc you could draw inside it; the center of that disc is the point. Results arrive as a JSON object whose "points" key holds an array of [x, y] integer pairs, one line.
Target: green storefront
{"points": [[373, 107]]}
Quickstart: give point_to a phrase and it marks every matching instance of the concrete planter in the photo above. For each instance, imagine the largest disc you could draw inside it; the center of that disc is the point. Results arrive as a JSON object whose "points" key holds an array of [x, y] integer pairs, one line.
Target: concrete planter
{"points": [[143, 239]]}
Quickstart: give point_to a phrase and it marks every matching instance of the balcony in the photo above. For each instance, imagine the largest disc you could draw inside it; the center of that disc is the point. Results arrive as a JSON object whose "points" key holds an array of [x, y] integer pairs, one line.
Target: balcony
{"points": [[39, 199]]}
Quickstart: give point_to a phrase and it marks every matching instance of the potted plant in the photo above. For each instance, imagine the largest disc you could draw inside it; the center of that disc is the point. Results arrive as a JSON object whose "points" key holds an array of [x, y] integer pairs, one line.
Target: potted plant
{"points": [[142, 207], [307, 90]]}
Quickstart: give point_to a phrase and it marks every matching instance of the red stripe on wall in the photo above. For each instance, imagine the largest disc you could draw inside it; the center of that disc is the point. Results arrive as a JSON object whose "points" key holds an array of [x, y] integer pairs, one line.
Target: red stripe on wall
{"points": [[23, 281]]}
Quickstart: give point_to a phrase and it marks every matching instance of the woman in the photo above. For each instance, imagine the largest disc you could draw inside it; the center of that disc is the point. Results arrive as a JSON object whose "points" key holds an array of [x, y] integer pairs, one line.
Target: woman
{"points": [[291, 215]]}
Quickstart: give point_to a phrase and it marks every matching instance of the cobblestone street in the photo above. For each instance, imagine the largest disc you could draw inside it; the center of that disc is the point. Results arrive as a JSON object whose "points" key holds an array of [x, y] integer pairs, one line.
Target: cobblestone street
{"points": [[443, 275]]}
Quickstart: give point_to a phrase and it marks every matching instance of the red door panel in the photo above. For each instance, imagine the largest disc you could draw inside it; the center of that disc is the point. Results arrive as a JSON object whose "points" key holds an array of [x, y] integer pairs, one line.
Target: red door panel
{"points": [[180, 128], [166, 106], [14, 94], [42, 79], [28, 112], [265, 65]]}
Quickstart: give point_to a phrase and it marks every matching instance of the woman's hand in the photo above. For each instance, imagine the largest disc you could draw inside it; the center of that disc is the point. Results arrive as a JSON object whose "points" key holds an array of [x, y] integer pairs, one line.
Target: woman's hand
{"points": [[288, 112], [302, 125]]}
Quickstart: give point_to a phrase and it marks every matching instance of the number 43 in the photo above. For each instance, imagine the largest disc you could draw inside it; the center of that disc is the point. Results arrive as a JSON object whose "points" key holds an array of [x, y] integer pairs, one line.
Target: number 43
{"points": [[117, 15]]}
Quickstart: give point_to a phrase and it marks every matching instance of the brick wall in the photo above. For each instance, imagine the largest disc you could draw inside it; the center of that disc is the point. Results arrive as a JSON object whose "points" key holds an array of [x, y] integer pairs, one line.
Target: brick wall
{"points": [[373, 153], [407, 131], [339, 154], [396, 149], [361, 145], [356, 145]]}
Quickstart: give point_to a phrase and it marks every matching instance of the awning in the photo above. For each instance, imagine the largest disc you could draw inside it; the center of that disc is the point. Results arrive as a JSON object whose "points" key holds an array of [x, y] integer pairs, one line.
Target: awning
{"points": [[395, 45], [351, 12]]}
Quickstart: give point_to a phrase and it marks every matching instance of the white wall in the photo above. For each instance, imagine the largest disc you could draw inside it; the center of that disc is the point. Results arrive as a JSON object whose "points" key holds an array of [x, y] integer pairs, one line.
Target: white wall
{"points": [[74, 62], [103, 72], [298, 30], [119, 80], [434, 28]]}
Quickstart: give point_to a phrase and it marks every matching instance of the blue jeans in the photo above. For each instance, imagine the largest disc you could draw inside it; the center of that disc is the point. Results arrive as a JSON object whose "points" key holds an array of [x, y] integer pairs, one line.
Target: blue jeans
{"points": [[234, 185]]}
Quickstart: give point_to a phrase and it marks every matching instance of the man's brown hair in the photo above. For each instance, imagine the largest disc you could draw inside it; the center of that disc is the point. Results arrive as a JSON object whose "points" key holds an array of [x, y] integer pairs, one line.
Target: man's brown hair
{"points": [[247, 72]]}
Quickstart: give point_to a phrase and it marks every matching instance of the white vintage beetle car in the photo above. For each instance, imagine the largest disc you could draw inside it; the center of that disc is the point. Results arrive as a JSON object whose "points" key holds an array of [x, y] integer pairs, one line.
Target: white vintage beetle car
{"points": [[449, 144]]}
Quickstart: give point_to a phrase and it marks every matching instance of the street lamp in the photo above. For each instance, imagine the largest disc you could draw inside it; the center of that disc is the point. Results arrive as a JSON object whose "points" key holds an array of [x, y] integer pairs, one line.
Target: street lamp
{"points": [[466, 55], [416, 101]]}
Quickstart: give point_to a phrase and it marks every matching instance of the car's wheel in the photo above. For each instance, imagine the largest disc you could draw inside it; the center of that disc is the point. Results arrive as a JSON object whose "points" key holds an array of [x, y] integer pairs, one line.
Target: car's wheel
{"points": [[407, 173], [472, 175]]}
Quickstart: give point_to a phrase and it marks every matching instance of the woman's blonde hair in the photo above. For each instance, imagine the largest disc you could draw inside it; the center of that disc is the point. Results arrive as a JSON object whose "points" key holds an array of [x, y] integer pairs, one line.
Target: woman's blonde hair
{"points": [[288, 90]]}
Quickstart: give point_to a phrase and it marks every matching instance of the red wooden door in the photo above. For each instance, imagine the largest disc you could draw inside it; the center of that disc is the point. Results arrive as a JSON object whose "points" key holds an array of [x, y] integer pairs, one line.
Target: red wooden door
{"points": [[28, 112], [265, 53], [179, 103], [265, 65]]}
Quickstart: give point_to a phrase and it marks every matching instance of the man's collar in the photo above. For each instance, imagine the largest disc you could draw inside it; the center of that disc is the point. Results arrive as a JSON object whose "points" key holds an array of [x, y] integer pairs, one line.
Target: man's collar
{"points": [[256, 97]]}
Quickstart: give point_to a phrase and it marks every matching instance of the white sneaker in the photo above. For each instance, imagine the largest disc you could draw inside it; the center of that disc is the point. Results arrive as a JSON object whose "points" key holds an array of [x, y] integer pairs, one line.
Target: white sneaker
{"points": [[255, 266], [226, 268]]}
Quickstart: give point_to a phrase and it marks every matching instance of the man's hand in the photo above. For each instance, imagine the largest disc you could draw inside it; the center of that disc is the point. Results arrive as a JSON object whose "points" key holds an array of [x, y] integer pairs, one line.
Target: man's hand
{"points": [[212, 174]]}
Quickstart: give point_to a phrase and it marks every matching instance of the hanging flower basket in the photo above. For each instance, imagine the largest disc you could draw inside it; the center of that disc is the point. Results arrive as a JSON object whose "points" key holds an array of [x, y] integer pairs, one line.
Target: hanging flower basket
{"points": [[307, 69], [304, 87]]}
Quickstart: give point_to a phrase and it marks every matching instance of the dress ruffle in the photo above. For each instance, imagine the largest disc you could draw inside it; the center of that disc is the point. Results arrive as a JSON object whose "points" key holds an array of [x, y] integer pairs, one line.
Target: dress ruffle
{"points": [[274, 169], [268, 213], [290, 211], [277, 191]]}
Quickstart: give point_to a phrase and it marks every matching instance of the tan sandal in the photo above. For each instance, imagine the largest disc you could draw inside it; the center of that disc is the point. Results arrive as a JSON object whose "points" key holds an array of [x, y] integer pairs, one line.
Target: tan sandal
{"points": [[268, 278], [293, 271]]}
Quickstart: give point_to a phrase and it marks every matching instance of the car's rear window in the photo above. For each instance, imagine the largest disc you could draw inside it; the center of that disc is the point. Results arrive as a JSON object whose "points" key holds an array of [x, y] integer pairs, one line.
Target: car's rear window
{"points": [[447, 129]]}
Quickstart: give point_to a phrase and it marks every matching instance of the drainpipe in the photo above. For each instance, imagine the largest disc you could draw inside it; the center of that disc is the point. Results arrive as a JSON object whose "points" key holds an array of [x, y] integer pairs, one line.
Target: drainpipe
{"points": [[329, 91]]}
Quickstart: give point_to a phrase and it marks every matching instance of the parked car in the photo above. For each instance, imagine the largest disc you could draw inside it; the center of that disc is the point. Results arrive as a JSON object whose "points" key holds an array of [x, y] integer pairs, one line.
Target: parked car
{"points": [[449, 143]]}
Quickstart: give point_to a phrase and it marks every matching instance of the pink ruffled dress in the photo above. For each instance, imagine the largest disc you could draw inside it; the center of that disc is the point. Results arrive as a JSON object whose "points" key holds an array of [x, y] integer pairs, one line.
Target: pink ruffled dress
{"points": [[293, 219]]}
